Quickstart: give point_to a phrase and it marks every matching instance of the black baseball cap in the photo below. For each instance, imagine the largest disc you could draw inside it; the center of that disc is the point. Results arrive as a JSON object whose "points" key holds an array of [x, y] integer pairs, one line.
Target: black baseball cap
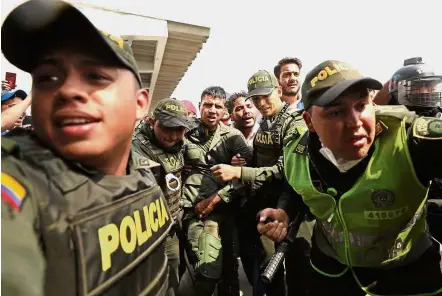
{"points": [[330, 79], [171, 113], [262, 83], [32, 27]]}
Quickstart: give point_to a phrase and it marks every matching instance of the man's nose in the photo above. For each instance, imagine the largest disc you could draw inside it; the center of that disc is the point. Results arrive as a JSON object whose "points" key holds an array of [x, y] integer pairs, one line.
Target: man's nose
{"points": [[73, 88], [353, 119]]}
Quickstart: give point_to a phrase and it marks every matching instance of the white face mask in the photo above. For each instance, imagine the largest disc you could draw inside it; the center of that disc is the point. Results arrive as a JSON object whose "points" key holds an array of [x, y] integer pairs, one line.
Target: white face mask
{"points": [[342, 164]]}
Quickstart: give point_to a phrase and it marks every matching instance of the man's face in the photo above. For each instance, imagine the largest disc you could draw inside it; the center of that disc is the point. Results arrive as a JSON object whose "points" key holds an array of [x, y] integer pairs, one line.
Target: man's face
{"points": [[167, 136], [11, 102], [268, 105], [289, 79], [244, 113], [83, 107], [347, 127], [212, 110]]}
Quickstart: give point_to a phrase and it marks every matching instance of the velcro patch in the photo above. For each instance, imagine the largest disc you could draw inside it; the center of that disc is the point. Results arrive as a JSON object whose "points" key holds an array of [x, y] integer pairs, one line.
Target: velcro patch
{"points": [[13, 192], [428, 128]]}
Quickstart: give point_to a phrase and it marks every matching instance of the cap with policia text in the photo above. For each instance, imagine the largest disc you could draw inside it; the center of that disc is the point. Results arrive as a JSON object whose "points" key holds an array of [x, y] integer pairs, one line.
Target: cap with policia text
{"points": [[34, 27], [171, 113], [262, 83], [330, 79]]}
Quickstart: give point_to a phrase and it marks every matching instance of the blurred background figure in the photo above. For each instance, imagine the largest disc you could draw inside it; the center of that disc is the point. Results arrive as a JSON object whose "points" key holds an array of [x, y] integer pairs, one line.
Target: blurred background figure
{"points": [[14, 105], [191, 109]]}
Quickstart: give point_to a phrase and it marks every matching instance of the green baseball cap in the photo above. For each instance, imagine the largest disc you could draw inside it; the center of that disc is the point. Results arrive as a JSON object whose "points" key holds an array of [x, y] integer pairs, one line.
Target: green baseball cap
{"points": [[171, 113], [262, 83], [328, 80], [32, 27]]}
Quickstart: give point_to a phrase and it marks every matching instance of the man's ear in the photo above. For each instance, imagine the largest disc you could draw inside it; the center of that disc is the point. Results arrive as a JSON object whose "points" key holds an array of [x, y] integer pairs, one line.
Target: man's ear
{"points": [[308, 121], [143, 103], [151, 121], [279, 91]]}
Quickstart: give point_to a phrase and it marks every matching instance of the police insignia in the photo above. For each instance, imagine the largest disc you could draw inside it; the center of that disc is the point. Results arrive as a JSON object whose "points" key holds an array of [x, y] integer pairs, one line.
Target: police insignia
{"points": [[428, 128], [300, 148], [13, 192], [382, 198]]}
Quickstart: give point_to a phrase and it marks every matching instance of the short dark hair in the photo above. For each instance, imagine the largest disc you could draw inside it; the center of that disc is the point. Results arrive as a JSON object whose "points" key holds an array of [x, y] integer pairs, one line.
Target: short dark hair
{"points": [[285, 61], [231, 100], [214, 91]]}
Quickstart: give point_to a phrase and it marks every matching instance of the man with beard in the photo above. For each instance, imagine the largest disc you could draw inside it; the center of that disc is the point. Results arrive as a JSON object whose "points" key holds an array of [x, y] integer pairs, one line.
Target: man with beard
{"points": [[287, 71], [265, 178], [207, 202], [160, 139], [243, 115], [81, 213], [364, 172]]}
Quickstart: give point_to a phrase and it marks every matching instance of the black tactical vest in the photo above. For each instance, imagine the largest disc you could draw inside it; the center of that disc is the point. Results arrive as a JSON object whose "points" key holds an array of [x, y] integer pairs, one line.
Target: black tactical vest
{"points": [[169, 179], [98, 238], [268, 142]]}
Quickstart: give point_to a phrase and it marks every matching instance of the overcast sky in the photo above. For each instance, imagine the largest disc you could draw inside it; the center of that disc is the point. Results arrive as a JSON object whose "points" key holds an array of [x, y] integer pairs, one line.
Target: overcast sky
{"points": [[374, 36]]}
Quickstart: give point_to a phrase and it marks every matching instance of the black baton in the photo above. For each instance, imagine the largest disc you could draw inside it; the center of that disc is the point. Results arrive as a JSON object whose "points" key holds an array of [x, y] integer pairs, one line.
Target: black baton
{"points": [[278, 257]]}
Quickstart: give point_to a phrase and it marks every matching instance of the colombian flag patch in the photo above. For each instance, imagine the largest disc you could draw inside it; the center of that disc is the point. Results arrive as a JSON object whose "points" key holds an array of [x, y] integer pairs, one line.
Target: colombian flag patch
{"points": [[12, 191]]}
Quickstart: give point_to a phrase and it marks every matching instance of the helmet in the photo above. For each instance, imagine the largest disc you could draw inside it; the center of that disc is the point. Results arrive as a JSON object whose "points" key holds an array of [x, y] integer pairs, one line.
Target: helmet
{"points": [[416, 85]]}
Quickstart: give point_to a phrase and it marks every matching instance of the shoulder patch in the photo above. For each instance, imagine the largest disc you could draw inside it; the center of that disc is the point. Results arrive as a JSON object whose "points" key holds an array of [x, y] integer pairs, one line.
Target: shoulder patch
{"points": [[428, 128], [13, 192]]}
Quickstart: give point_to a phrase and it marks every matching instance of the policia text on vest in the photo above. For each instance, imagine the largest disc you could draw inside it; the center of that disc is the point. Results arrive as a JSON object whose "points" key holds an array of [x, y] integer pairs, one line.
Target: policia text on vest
{"points": [[133, 230]]}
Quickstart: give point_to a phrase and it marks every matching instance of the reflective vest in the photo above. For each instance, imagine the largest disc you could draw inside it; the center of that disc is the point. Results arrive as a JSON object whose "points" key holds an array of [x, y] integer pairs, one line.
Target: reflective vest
{"points": [[169, 179], [97, 240], [382, 217]]}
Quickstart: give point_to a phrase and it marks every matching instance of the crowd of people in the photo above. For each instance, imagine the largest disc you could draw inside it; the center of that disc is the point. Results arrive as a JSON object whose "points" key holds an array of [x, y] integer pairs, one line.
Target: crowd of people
{"points": [[100, 199]]}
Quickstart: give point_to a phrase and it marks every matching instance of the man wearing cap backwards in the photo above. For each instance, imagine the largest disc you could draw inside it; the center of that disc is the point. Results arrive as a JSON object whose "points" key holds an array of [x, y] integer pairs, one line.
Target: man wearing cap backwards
{"points": [[81, 213], [160, 139], [356, 169], [207, 202], [265, 180]]}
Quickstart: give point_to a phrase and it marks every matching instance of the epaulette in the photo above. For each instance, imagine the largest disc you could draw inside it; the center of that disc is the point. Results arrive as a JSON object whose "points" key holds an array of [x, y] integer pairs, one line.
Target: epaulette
{"points": [[397, 111], [301, 147], [11, 147]]}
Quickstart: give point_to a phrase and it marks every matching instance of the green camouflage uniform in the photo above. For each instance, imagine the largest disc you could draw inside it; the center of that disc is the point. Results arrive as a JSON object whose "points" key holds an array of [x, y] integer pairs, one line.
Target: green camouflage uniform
{"points": [[266, 183], [70, 218], [202, 152], [68, 229], [171, 162]]}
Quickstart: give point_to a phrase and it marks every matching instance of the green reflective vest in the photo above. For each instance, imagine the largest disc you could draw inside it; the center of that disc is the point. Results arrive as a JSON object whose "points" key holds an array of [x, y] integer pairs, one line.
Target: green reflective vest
{"points": [[382, 217]]}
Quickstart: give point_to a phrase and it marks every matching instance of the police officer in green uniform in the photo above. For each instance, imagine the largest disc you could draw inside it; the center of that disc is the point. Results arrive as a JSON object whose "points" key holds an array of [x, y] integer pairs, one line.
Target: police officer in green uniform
{"points": [[266, 182], [160, 139], [364, 172], [207, 201], [81, 213]]}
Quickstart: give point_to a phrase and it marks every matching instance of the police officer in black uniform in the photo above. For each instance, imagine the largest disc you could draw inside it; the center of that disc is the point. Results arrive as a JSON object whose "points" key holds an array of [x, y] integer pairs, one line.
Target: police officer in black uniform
{"points": [[81, 213], [416, 86], [160, 139]]}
